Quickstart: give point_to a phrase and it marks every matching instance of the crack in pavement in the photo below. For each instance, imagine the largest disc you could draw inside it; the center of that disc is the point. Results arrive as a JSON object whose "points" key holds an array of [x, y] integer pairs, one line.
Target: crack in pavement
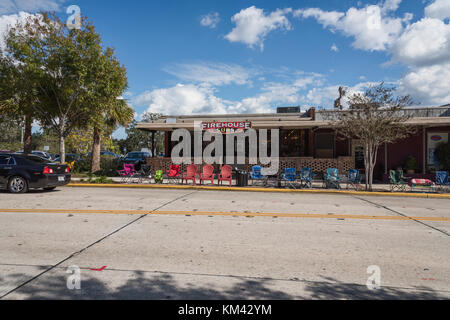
{"points": [[93, 243], [403, 215]]}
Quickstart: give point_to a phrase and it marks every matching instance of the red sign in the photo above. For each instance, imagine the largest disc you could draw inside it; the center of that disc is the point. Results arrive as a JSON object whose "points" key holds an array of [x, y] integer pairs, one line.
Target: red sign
{"points": [[226, 127], [436, 138]]}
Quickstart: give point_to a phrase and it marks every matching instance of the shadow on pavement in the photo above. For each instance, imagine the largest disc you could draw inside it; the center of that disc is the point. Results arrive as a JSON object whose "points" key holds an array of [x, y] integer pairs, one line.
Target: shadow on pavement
{"points": [[333, 290], [164, 286]]}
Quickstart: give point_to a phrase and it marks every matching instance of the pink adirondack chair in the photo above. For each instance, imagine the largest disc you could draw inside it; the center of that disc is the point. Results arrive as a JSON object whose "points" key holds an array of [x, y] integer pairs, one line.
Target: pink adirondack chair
{"points": [[207, 174], [191, 174], [226, 174], [127, 172]]}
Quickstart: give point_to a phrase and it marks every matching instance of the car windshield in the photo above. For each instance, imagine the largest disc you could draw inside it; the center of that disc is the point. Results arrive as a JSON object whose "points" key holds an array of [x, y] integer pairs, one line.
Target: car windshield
{"points": [[135, 155], [37, 159]]}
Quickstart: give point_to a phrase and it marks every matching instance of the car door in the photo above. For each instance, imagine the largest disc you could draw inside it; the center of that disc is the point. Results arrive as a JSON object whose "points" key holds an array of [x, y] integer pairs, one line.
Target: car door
{"points": [[6, 162]]}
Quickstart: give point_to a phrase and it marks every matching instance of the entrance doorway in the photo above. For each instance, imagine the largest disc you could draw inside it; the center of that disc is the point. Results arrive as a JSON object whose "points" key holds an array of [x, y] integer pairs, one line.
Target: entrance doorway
{"points": [[358, 154]]}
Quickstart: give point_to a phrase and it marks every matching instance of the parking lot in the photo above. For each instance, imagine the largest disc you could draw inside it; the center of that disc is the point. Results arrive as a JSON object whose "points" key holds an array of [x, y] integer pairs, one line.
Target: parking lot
{"points": [[196, 244]]}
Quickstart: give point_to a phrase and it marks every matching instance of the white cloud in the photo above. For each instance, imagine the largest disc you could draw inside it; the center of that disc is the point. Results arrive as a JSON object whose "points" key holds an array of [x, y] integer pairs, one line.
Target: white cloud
{"points": [[181, 99], [253, 25], [211, 73], [325, 18], [14, 6], [196, 99], [371, 27], [439, 9], [8, 21], [423, 46], [325, 96], [210, 20], [334, 48], [391, 5], [423, 43], [428, 85]]}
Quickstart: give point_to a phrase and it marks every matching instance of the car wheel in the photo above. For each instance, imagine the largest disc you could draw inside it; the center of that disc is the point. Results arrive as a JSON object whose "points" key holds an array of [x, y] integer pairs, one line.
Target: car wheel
{"points": [[17, 185], [50, 188]]}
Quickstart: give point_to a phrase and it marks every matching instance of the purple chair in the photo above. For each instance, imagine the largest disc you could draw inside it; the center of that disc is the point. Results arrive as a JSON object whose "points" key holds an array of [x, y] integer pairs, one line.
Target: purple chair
{"points": [[127, 172]]}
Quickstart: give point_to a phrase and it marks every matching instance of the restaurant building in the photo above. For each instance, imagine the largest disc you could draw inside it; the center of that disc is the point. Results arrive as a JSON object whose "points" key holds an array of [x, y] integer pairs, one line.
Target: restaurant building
{"points": [[307, 140]]}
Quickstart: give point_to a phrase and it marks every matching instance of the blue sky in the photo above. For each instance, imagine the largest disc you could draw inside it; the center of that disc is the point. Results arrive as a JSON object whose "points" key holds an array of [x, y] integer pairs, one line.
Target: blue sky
{"points": [[243, 56]]}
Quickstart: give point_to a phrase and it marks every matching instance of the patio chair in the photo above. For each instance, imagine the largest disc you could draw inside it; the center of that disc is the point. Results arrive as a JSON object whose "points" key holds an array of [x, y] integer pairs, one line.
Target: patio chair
{"points": [[256, 174], [174, 173], [397, 181], [126, 173], [143, 174], [190, 174], [353, 179], [442, 180], [306, 178], [159, 178], [332, 179], [226, 174], [289, 177], [207, 174]]}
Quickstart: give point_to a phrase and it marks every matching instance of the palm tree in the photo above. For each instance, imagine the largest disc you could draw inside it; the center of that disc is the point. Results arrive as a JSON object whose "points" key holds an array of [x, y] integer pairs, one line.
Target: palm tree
{"points": [[119, 113]]}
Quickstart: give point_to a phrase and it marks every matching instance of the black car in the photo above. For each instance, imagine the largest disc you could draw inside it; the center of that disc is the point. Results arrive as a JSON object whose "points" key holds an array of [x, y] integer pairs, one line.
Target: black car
{"points": [[137, 157], [19, 173]]}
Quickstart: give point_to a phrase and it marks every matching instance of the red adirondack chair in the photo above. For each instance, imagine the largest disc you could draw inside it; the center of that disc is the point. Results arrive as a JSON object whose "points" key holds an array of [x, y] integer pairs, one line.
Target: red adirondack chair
{"points": [[207, 174], [191, 174], [226, 174]]}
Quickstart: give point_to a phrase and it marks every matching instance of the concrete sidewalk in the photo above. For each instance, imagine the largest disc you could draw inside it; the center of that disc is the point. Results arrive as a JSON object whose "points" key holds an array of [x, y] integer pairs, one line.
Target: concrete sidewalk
{"points": [[379, 189]]}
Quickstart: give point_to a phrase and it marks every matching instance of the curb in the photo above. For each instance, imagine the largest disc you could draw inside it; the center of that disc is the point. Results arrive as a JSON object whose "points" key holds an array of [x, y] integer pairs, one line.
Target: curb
{"points": [[214, 188]]}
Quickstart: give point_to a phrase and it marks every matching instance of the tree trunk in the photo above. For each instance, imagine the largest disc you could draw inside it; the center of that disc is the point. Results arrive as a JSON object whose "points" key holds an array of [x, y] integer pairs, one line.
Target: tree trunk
{"points": [[366, 164], [62, 148], [62, 140], [27, 147], [96, 144]]}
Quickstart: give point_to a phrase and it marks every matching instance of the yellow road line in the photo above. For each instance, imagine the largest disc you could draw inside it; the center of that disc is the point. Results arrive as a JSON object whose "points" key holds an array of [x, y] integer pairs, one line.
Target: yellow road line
{"points": [[241, 214], [252, 189]]}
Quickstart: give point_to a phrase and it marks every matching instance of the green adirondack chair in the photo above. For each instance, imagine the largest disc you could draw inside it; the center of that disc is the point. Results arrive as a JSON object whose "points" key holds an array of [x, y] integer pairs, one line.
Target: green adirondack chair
{"points": [[159, 176], [397, 181]]}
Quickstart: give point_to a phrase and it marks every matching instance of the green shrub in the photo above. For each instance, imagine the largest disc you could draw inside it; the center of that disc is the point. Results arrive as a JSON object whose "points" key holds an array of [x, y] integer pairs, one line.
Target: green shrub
{"points": [[411, 163], [109, 166], [100, 180]]}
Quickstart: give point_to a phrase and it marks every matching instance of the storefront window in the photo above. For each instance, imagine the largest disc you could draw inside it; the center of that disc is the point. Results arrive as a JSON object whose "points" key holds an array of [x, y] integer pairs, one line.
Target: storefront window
{"points": [[292, 143], [324, 145]]}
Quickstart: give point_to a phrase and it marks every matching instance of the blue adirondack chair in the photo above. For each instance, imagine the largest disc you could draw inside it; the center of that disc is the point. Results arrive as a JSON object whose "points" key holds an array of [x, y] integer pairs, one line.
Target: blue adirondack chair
{"points": [[442, 179], [256, 174], [289, 176], [332, 179], [353, 179], [306, 178]]}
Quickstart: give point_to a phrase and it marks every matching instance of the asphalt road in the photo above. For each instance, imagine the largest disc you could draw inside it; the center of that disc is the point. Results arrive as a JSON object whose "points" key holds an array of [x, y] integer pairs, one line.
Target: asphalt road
{"points": [[191, 244]]}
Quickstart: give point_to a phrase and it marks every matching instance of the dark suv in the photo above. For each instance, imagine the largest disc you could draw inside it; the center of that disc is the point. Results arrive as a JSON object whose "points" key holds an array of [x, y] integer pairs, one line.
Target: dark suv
{"points": [[137, 157]]}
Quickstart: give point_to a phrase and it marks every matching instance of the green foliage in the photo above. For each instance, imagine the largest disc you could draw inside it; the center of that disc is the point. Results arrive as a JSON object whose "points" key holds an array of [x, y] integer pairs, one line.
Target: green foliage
{"points": [[109, 166], [80, 142], [10, 134], [100, 180], [139, 139], [443, 153], [411, 163], [64, 77], [374, 117]]}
